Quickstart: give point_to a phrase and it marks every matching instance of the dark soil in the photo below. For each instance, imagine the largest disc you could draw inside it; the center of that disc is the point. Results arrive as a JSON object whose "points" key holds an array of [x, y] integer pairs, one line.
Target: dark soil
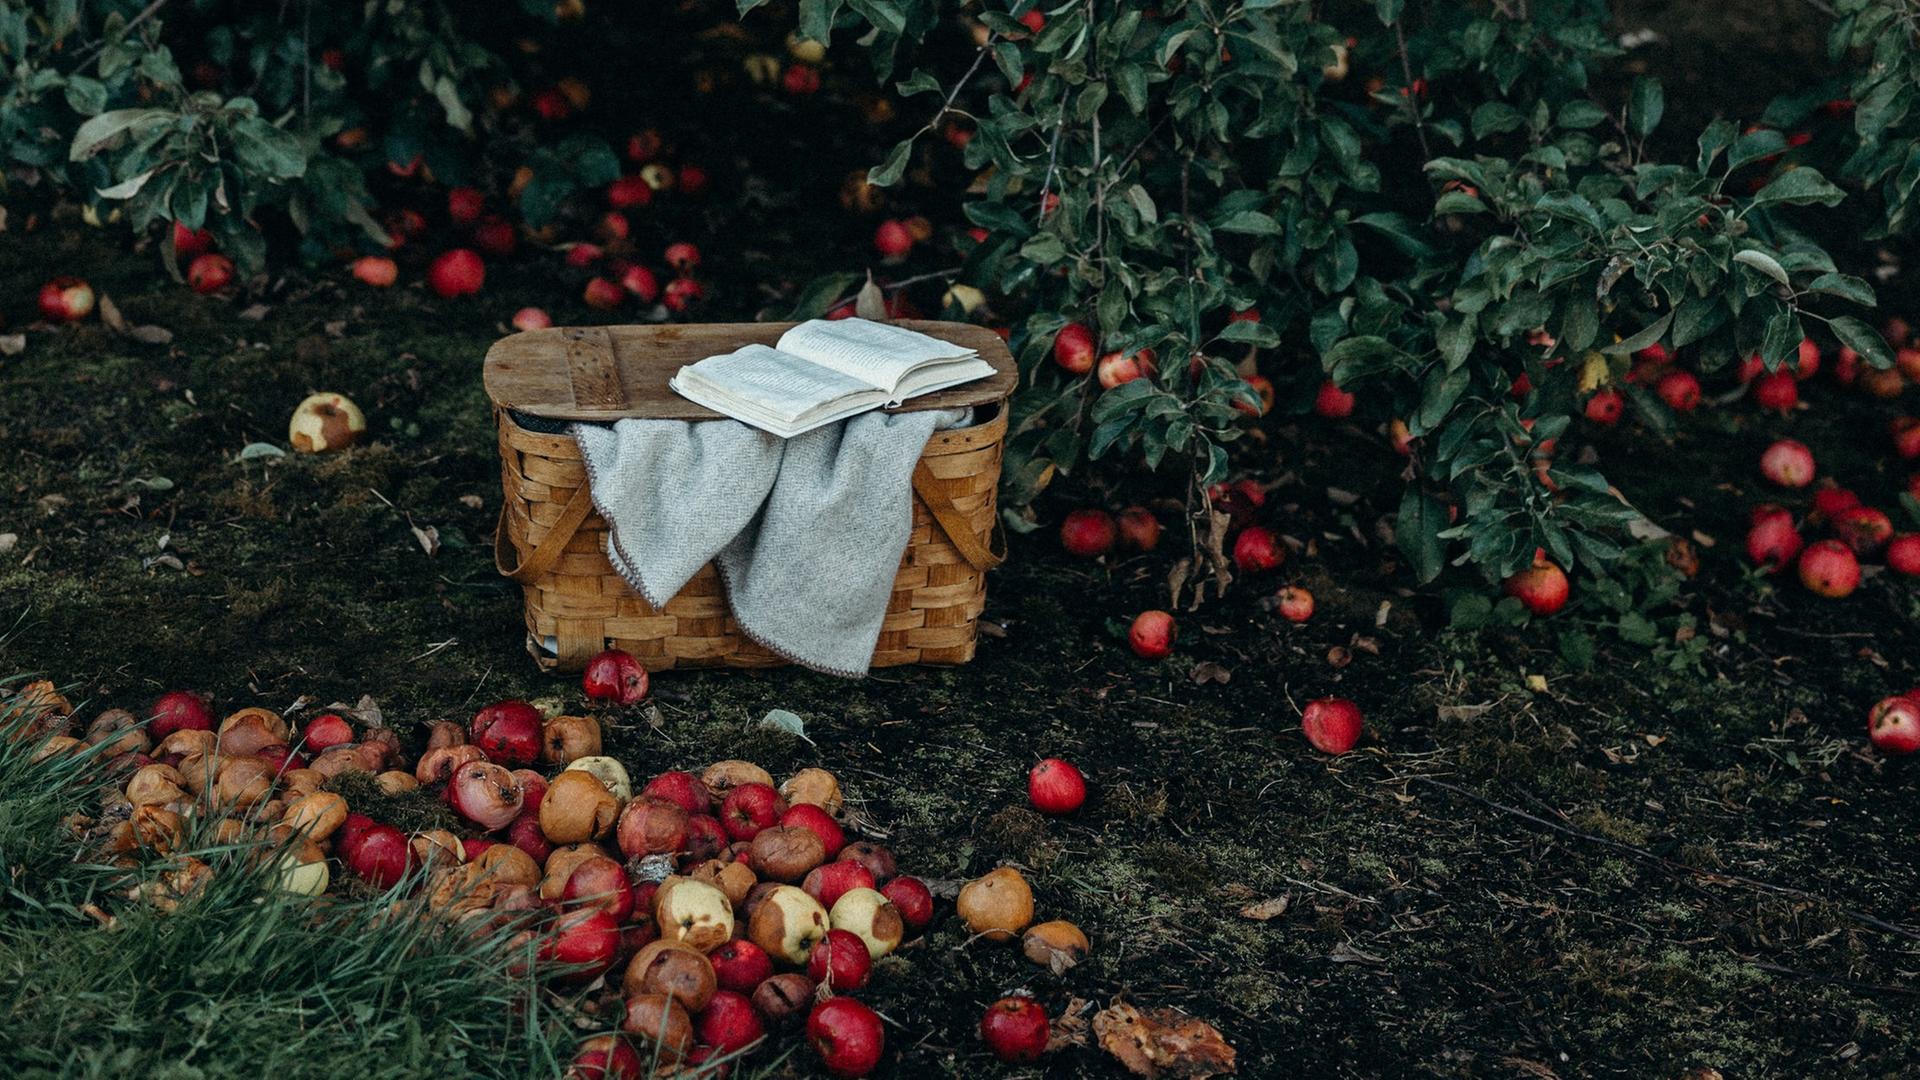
{"points": [[1680, 855]]}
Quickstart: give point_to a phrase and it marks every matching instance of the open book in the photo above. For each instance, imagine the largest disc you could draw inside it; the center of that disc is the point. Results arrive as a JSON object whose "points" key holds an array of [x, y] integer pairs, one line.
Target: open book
{"points": [[822, 371]]}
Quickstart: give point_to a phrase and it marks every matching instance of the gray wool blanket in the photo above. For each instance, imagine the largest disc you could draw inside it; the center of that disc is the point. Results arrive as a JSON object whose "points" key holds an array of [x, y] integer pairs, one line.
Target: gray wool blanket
{"points": [[807, 532]]}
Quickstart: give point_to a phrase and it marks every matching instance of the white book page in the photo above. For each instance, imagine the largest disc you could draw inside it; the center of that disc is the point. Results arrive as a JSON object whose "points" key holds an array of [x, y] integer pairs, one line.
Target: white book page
{"points": [[877, 354], [770, 382]]}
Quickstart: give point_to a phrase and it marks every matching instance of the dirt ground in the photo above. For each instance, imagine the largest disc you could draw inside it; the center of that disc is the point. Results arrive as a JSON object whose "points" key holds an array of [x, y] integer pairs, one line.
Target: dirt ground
{"points": [[1677, 855], [1681, 856]]}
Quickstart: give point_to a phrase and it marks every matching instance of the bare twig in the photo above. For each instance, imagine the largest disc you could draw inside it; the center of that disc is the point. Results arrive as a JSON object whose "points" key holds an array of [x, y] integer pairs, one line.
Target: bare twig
{"points": [[1413, 99], [97, 47]]}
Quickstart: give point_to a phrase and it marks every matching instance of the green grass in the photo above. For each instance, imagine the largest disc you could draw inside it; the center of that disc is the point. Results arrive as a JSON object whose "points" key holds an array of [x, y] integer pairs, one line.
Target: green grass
{"points": [[239, 980]]}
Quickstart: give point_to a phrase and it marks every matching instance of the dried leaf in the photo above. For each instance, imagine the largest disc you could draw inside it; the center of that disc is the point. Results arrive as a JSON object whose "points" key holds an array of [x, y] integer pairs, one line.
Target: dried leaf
{"points": [[871, 303], [1449, 713], [1070, 1028], [1207, 671], [8, 541], [1266, 910], [12, 344], [472, 502], [110, 315], [429, 538], [1162, 1043], [1344, 953], [1339, 656], [256, 312], [151, 335]]}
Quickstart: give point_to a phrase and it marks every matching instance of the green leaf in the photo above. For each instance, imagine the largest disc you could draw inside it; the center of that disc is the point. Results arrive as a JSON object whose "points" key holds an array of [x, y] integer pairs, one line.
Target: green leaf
{"points": [[1642, 339], [888, 172], [1416, 532], [1355, 358], [1845, 286], [1248, 221], [1645, 105], [1799, 187], [95, 134], [1764, 263], [1251, 333], [267, 149], [1863, 339]]}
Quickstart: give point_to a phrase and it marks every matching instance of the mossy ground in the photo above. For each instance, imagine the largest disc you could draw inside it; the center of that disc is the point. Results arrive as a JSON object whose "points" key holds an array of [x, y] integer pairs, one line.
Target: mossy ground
{"points": [[1428, 932]]}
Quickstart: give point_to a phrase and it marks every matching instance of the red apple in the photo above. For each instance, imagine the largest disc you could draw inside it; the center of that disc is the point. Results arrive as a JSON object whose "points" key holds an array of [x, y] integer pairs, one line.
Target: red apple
{"points": [[179, 710], [379, 853], [188, 244], [599, 882], [508, 732], [1776, 391], [1151, 635], [892, 240], [1807, 364], [1903, 554], [66, 299], [1773, 542], [606, 1057], [799, 80], [465, 205], [583, 255], [525, 833], [1542, 588], [375, 270], [615, 676], [650, 826], [629, 192], [1294, 604], [740, 965], [1862, 528], [1332, 402], [457, 273], [495, 236], [729, 1023], [585, 941], [1054, 786], [820, 823], [1332, 725], [912, 899], [641, 282], [750, 808], [1138, 529], [1831, 502], [324, 731], [682, 293], [1680, 390], [1257, 550], [847, 1035], [706, 837], [1118, 369], [1015, 1029], [1073, 348], [1605, 407], [828, 882], [840, 962], [682, 256], [681, 788], [1088, 532], [878, 860], [1894, 725], [1829, 568], [1787, 463], [603, 294], [531, 318]]}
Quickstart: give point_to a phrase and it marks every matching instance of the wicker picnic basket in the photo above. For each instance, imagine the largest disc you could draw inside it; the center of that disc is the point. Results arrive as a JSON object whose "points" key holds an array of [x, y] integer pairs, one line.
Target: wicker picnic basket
{"points": [[551, 541]]}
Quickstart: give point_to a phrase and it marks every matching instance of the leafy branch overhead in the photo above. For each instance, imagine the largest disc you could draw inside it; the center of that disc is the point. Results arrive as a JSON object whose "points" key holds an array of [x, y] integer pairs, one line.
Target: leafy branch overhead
{"points": [[1474, 242]]}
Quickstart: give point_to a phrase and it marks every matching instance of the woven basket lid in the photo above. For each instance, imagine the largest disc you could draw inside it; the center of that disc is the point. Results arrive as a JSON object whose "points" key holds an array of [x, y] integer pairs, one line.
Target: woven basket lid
{"points": [[619, 372]]}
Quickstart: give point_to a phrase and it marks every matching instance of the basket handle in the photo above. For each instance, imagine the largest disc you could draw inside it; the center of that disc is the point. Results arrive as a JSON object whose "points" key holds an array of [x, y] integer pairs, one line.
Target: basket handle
{"points": [[983, 555], [548, 551]]}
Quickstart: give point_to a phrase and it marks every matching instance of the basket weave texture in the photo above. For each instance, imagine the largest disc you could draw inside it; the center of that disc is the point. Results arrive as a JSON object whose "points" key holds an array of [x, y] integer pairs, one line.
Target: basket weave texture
{"points": [[581, 605]]}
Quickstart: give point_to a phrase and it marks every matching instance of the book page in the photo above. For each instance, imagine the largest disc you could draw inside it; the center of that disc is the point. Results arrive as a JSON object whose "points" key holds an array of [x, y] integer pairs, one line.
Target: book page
{"points": [[771, 382], [878, 354]]}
